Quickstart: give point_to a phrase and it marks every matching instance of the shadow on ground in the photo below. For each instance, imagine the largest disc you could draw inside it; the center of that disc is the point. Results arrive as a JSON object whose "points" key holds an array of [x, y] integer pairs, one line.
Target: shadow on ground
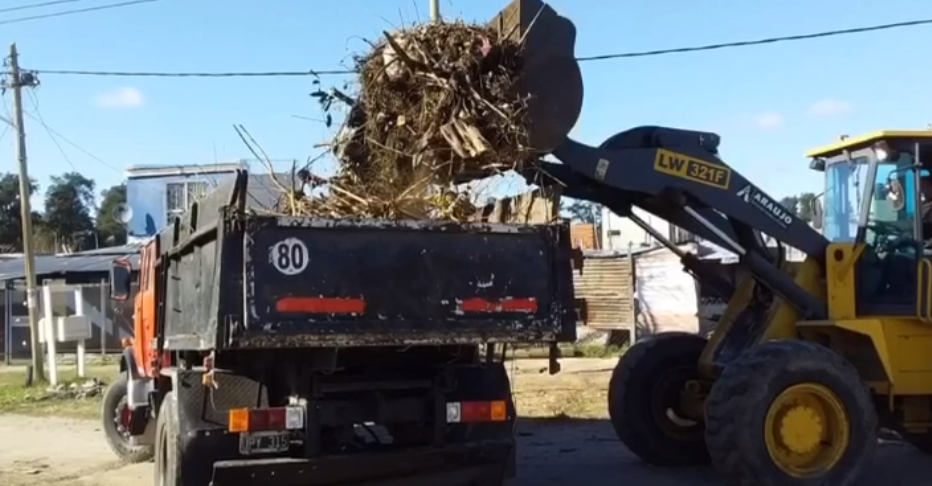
{"points": [[584, 452]]}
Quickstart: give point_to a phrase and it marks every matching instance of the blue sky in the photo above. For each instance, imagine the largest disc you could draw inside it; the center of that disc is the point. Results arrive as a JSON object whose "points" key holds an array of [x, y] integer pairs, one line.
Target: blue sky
{"points": [[769, 103]]}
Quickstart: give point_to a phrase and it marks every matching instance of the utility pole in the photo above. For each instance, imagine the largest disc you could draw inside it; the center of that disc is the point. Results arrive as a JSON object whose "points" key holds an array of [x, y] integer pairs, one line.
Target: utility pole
{"points": [[435, 11], [16, 82]]}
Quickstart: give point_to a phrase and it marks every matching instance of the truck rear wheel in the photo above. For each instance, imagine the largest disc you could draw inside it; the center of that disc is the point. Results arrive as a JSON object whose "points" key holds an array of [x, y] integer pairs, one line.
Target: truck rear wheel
{"points": [[790, 413], [644, 400], [115, 416], [168, 445]]}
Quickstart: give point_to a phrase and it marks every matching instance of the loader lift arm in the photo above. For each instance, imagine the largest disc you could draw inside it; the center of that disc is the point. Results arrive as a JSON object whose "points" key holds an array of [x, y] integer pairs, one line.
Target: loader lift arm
{"points": [[677, 175]]}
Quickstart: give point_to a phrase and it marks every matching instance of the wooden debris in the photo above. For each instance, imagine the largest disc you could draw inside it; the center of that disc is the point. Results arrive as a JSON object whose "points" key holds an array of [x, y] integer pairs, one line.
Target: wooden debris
{"points": [[435, 108]]}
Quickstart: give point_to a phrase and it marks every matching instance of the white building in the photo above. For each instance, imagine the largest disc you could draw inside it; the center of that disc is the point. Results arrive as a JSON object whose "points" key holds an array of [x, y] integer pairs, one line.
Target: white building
{"points": [[620, 233]]}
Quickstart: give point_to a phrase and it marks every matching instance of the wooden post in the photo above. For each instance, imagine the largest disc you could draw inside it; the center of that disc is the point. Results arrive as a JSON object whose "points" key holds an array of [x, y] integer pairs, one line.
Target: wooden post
{"points": [[29, 258]]}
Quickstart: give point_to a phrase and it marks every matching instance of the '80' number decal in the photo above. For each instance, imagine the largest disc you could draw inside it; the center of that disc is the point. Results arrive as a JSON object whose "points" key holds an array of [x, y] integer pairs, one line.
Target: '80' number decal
{"points": [[289, 256]]}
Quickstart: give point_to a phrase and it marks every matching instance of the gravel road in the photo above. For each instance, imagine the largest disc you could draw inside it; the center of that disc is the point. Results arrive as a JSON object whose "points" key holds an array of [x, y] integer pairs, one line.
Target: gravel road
{"points": [[62, 452]]}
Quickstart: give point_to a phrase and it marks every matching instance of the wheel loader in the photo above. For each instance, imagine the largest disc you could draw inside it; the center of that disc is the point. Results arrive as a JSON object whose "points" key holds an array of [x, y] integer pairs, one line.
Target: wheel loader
{"points": [[806, 364]]}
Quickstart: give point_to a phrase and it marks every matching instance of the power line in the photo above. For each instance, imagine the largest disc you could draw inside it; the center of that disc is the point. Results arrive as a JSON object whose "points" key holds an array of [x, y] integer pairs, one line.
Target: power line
{"points": [[758, 42], [75, 11], [55, 133], [149, 74], [601, 57], [56, 136], [35, 104], [37, 5]]}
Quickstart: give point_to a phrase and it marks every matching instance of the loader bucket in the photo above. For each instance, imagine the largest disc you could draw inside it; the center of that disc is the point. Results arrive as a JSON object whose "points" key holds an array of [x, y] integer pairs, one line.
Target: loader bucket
{"points": [[550, 77]]}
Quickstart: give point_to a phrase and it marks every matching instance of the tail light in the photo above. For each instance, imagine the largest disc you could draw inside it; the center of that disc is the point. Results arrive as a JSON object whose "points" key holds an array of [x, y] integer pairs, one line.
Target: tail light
{"points": [[471, 412], [266, 419]]}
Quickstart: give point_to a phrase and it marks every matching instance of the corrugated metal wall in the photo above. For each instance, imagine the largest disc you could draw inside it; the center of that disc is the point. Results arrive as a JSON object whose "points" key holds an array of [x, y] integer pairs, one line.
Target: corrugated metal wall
{"points": [[604, 289]]}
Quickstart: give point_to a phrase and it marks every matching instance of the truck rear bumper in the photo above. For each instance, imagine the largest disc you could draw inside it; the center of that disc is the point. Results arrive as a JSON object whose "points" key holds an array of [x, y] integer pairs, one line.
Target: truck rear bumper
{"points": [[450, 465]]}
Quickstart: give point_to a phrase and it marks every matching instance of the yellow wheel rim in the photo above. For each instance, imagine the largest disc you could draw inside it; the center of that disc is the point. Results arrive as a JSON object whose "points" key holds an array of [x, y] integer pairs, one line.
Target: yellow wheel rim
{"points": [[806, 430]]}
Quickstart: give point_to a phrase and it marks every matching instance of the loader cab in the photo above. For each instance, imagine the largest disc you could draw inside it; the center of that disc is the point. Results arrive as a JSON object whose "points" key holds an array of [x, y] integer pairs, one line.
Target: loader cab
{"points": [[874, 196]]}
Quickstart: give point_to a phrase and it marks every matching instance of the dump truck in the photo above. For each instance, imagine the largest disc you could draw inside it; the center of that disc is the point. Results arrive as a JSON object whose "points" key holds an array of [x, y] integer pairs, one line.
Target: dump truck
{"points": [[277, 351]]}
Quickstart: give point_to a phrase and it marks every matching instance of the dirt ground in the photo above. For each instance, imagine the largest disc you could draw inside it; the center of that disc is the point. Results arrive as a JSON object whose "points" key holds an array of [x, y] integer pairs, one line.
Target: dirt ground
{"points": [[563, 439]]}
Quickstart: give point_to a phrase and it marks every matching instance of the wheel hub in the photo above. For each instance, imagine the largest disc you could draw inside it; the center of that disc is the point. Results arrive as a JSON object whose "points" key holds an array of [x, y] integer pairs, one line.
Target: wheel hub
{"points": [[121, 419], [806, 430], [801, 430], [666, 402]]}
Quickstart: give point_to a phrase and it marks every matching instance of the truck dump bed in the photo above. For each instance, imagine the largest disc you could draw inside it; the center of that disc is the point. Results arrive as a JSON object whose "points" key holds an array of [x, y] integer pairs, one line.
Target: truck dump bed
{"points": [[245, 280]]}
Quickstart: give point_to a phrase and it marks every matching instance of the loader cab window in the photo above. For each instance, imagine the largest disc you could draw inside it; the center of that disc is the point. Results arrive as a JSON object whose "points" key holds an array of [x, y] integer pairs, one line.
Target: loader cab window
{"points": [[889, 200], [888, 226], [891, 213], [845, 183]]}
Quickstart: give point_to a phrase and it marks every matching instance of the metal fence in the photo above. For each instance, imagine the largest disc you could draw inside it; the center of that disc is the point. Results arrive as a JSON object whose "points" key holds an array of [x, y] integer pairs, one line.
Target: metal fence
{"points": [[111, 321]]}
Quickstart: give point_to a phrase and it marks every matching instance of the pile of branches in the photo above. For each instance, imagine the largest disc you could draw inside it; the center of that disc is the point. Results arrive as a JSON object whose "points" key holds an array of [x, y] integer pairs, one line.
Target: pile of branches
{"points": [[435, 108]]}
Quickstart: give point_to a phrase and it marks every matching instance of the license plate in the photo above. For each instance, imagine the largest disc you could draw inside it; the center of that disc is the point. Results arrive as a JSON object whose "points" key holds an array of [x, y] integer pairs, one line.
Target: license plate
{"points": [[264, 442]]}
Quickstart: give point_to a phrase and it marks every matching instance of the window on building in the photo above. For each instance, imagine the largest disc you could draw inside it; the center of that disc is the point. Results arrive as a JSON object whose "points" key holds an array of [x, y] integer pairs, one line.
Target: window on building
{"points": [[179, 196]]}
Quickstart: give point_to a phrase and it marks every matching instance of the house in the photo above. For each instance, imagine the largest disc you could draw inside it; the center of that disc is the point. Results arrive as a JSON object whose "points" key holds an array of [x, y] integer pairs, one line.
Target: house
{"points": [[111, 320], [666, 297], [156, 194], [585, 236], [620, 233]]}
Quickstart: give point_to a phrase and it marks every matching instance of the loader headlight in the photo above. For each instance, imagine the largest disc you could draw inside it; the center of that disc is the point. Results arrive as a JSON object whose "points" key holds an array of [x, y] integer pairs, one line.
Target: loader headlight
{"points": [[882, 154]]}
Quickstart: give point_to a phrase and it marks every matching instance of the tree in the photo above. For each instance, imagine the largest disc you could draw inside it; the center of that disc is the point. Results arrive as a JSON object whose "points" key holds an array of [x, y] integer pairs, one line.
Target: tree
{"points": [[111, 232], [800, 205], [11, 221], [69, 203], [791, 203], [583, 211], [806, 200]]}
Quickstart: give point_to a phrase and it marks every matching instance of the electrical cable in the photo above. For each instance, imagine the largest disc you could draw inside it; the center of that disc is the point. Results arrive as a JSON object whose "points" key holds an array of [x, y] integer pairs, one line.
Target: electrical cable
{"points": [[149, 74], [758, 42], [37, 5], [601, 57], [56, 136], [35, 104], [61, 137], [75, 11]]}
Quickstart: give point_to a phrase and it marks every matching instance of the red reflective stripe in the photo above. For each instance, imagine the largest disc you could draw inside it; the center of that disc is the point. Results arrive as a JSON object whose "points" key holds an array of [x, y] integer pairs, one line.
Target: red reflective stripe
{"points": [[319, 305], [478, 304]]}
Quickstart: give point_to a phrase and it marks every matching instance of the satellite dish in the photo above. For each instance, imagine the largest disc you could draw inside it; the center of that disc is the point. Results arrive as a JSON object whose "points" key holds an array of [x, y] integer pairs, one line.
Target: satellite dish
{"points": [[122, 213]]}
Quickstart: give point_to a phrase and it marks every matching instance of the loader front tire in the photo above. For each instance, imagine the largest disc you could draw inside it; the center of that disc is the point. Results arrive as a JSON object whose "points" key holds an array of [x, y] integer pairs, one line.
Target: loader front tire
{"points": [[790, 413], [644, 400]]}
